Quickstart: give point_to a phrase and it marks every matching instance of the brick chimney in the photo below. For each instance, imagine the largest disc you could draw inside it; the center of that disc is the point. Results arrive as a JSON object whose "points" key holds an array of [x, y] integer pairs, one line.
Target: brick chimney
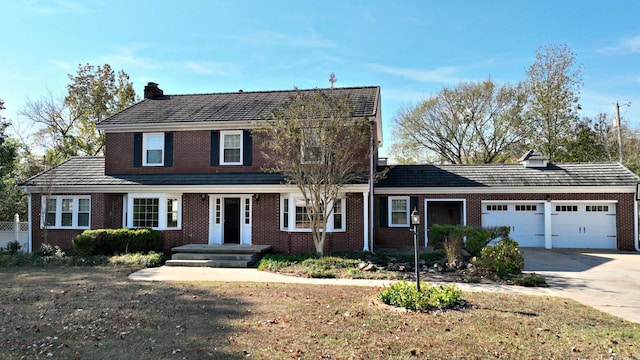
{"points": [[151, 91]]}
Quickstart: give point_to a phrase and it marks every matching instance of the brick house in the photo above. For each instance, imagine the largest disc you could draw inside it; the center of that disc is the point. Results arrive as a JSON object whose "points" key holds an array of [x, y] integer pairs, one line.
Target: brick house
{"points": [[573, 205], [192, 167]]}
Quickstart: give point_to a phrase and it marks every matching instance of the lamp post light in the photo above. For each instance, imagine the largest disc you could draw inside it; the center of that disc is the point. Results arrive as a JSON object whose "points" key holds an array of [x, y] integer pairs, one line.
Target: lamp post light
{"points": [[415, 221]]}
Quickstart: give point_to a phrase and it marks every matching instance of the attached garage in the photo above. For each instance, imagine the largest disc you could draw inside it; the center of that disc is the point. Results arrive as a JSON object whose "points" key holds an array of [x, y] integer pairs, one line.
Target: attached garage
{"points": [[584, 225], [545, 205], [524, 219]]}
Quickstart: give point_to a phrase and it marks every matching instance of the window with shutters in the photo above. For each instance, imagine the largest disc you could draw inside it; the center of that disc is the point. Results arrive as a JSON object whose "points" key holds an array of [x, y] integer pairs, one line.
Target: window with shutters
{"points": [[398, 211], [153, 149], [231, 147]]}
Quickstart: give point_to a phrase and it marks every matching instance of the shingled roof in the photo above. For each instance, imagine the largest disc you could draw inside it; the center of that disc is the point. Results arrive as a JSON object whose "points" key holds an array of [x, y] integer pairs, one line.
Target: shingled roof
{"points": [[222, 107], [89, 172], [508, 175]]}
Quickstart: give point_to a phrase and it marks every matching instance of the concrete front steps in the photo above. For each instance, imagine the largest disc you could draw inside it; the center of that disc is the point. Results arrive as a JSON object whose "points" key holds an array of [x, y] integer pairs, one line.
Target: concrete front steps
{"points": [[222, 256]]}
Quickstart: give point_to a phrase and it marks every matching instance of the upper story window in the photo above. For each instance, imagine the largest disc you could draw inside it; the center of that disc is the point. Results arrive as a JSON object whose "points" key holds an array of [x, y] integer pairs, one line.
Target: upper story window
{"points": [[311, 146], [398, 211], [231, 149], [153, 149], [66, 212]]}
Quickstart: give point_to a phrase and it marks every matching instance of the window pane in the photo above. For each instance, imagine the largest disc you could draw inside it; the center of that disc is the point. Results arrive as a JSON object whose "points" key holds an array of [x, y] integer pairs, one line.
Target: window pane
{"points": [[337, 215], [232, 141], [399, 205], [399, 218], [172, 212], [145, 212], [231, 155], [83, 205], [154, 156], [83, 219], [67, 205], [155, 141], [51, 205], [285, 214], [50, 219], [302, 219], [67, 219]]}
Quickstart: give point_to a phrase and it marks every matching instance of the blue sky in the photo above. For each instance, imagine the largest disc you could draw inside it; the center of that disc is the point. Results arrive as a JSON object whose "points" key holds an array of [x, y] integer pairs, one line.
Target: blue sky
{"points": [[409, 48]]}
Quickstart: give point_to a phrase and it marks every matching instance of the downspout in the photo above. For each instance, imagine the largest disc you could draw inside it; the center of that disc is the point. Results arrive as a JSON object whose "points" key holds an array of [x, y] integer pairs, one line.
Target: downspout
{"points": [[635, 224], [30, 223], [371, 180]]}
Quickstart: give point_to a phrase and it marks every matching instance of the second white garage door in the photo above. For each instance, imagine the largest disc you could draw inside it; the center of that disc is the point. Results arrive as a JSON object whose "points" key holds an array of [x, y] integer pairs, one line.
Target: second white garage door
{"points": [[526, 221], [586, 226]]}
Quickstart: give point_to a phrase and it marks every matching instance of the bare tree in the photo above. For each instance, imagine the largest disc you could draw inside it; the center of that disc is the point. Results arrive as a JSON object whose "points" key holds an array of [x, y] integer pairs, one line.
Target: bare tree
{"points": [[318, 146], [474, 122]]}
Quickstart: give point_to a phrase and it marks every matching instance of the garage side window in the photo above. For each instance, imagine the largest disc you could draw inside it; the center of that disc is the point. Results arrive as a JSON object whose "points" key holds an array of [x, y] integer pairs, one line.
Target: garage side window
{"points": [[497, 207], [567, 208], [597, 208], [526, 207]]}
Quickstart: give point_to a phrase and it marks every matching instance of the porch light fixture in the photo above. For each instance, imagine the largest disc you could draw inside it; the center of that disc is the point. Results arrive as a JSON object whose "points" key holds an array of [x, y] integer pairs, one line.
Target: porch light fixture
{"points": [[415, 221], [548, 198], [203, 197]]}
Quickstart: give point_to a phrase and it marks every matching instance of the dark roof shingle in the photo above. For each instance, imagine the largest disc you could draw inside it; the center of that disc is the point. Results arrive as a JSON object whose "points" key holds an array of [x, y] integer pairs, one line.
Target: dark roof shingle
{"points": [[238, 106], [508, 175]]}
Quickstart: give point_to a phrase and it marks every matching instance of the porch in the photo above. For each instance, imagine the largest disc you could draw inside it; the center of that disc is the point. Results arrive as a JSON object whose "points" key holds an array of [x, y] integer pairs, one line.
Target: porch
{"points": [[227, 255]]}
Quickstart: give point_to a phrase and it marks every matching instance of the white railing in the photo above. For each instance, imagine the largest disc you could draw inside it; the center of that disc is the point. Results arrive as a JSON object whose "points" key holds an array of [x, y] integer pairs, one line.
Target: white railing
{"points": [[14, 230]]}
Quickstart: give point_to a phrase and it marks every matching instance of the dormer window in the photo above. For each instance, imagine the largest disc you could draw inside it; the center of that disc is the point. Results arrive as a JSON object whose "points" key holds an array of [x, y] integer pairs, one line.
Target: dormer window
{"points": [[153, 149]]}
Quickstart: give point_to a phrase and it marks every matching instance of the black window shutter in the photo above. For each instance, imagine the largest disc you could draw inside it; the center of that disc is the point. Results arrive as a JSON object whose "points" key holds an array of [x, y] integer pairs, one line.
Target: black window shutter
{"points": [[137, 149], [215, 148], [247, 146], [384, 211], [413, 201], [168, 149]]}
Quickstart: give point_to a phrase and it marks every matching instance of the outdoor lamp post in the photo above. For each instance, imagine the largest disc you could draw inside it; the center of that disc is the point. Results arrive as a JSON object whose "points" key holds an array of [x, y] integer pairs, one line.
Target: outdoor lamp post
{"points": [[415, 221]]}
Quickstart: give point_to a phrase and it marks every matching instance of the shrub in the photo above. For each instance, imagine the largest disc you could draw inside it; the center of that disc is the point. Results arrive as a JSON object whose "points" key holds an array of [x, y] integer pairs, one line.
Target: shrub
{"points": [[531, 280], [435, 255], [502, 259], [275, 262], [430, 297], [116, 241], [152, 259], [450, 238], [477, 240], [13, 247]]}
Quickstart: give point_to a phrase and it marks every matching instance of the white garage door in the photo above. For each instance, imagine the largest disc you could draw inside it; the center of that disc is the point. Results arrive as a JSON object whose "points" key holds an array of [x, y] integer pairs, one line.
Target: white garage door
{"points": [[587, 226], [525, 220]]}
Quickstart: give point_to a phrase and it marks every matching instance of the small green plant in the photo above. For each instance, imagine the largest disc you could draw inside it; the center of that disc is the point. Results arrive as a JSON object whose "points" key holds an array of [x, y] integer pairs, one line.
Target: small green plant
{"points": [[330, 262], [502, 259], [430, 297], [321, 274]]}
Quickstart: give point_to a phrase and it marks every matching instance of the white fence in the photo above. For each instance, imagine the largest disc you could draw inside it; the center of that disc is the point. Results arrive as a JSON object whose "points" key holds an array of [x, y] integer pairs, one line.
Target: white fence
{"points": [[14, 230]]}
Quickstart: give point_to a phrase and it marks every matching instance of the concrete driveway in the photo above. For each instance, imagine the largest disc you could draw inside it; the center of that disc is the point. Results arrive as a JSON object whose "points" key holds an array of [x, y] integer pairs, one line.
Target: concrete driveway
{"points": [[606, 280]]}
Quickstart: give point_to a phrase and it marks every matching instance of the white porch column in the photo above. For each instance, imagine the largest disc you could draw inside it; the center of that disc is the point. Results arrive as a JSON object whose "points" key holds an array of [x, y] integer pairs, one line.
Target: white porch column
{"points": [[365, 215], [30, 221], [548, 241]]}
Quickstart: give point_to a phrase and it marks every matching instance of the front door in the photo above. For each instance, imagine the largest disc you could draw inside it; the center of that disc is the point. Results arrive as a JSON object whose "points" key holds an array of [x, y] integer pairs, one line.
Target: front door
{"points": [[231, 221]]}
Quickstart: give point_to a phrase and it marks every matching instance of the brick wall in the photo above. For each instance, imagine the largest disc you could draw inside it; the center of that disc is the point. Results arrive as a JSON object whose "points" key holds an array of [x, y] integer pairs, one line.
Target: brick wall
{"points": [[266, 228], [191, 154], [401, 237]]}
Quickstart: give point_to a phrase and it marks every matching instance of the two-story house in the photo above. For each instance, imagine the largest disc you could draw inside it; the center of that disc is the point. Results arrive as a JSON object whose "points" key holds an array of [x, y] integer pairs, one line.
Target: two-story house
{"points": [[192, 166]]}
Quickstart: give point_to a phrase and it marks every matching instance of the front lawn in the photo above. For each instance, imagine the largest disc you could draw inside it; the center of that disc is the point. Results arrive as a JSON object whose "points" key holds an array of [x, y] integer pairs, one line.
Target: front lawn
{"points": [[65, 312]]}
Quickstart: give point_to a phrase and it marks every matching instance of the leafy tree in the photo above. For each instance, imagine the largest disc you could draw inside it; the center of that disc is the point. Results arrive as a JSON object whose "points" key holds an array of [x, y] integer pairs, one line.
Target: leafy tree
{"points": [[317, 145], [586, 144], [474, 122], [553, 84], [11, 198], [68, 126]]}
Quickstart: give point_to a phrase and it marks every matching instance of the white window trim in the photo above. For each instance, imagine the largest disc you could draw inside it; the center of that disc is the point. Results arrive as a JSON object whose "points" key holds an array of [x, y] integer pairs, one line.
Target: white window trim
{"points": [[292, 197], [162, 209], [144, 149], [74, 216], [390, 211], [222, 136]]}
